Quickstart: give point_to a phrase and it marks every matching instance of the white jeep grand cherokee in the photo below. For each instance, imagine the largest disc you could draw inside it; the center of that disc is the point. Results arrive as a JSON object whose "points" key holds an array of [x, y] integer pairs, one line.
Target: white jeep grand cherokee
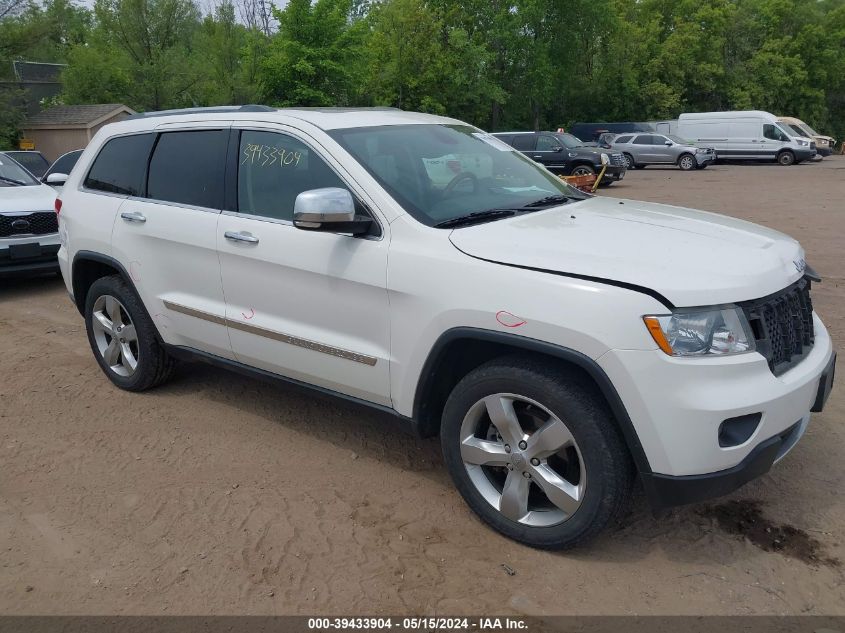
{"points": [[561, 345]]}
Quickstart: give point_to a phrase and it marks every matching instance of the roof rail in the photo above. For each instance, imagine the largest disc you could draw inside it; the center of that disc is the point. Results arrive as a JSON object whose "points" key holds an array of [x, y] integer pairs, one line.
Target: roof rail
{"points": [[212, 110]]}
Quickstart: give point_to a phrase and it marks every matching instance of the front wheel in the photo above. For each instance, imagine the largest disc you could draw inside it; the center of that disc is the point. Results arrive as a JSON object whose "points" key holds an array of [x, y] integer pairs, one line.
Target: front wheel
{"points": [[786, 158], [535, 452], [686, 162], [629, 160], [583, 170]]}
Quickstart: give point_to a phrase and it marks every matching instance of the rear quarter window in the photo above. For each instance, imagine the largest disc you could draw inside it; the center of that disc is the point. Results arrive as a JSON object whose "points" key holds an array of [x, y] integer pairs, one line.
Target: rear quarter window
{"points": [[623, 139], [120, 165]]}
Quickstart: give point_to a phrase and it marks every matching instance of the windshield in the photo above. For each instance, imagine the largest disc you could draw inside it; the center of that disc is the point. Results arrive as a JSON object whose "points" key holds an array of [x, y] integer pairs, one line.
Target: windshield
{"points": [[12, 174], [803, 129], [442, 172], [570, 141], [678, 139]]}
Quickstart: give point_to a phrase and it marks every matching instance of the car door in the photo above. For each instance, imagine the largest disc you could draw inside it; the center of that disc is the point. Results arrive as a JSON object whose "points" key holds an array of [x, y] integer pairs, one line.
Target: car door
{"points": [[167, 237], [548, 151], [641, 149], [308, 305], [772, 141], [662, 153]]}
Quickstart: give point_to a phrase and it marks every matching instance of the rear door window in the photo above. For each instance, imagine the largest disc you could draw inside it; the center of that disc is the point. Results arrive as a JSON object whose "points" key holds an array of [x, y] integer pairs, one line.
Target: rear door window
{"points": [[643, 139], [187, 168], [120, 165], [524, 142]]}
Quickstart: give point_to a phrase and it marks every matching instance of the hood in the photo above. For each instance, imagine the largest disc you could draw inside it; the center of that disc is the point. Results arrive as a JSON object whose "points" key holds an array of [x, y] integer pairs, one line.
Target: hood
{"points": [[692, 258], [27, 199]]}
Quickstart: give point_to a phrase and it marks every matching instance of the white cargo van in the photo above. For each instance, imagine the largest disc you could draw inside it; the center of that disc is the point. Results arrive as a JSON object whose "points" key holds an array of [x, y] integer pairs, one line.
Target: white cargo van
{"points": [[747, 135]]}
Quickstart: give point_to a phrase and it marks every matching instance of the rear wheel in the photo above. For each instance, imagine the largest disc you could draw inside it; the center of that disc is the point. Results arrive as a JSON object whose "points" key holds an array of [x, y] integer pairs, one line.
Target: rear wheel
{"points": [[786, 158], [123, 338], [535, 452], [686, 162]]}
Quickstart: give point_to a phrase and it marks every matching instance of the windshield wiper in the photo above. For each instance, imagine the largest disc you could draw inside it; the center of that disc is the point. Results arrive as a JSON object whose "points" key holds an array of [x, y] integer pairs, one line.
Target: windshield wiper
{"points": [[12, 180], [477, 216], [548, 201]]}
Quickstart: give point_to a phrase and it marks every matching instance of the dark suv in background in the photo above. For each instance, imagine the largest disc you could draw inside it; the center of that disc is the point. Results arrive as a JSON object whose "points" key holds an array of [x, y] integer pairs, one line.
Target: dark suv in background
{"points": [[565, 155]]}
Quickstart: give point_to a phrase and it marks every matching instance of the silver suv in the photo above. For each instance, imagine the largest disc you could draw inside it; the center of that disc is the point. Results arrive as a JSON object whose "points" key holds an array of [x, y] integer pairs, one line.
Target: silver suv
{"points": [[640, 150]]}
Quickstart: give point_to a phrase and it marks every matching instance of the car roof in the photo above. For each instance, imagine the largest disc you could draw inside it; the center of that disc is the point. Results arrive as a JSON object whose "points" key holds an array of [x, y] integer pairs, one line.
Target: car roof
{"points": [[323, 118]]}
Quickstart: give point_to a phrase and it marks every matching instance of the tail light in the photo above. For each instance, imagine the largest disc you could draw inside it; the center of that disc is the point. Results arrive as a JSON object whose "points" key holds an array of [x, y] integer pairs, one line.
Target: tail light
{"points": [[58, 205]]}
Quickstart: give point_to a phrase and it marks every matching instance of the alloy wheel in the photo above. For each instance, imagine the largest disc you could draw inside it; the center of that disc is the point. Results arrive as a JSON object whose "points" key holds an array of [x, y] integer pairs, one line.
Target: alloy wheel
{"points": [[523, 460], [582, 171], [115, 335], [687, 162]]}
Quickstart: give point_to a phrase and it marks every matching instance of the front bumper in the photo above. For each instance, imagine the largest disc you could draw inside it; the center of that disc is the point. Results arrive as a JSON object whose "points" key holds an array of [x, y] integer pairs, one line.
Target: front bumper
{"points": [[705, 159], [29, 255], [677, 407], [614, 173], [804, 154]]}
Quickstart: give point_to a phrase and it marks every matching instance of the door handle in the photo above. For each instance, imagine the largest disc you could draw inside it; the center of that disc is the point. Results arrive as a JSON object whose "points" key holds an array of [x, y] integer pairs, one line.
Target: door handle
{"points": [[241, 236], [133, 216]]}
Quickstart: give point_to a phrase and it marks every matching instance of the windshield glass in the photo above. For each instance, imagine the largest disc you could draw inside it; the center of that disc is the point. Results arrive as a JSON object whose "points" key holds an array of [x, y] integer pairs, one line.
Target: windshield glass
{"points": [[803, 129], [442, 172], [677, 139], [13, 174], [570, 141]]}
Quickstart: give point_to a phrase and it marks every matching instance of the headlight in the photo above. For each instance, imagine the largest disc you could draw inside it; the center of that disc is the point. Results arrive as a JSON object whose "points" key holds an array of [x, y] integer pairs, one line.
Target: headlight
{"points": [[802, 142], [701, 150], [701, 332], [605, 159]]}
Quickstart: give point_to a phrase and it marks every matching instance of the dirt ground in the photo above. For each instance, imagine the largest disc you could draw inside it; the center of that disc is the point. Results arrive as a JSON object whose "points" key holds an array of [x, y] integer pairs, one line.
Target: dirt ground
{"points": [[217, 494]]}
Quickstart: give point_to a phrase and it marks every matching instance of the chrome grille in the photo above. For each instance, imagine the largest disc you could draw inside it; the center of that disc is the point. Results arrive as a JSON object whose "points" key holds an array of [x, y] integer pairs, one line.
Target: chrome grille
{"points": [[617, 159], [783, 325], [38, 223]]}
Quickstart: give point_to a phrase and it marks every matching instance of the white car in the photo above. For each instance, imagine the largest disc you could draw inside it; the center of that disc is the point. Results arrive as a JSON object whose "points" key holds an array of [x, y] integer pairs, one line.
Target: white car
{"points": [[29, 238], [560, 344]]}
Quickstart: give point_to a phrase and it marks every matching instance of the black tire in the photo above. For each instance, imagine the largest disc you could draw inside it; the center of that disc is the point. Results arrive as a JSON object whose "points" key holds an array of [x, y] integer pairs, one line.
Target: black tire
{"points": [[686, 162], [583, 170], [154, 364], [786, 158], [607, 464], [629, 160], [638, 166]]}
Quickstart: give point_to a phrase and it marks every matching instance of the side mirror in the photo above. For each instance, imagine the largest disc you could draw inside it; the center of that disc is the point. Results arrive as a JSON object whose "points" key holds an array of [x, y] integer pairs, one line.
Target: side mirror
{"points": [[669, 143], [557, 148], [330, 209], [56, 179]]}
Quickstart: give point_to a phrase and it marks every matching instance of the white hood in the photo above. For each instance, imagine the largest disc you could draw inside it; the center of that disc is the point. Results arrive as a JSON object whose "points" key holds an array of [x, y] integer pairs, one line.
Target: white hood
{"points": [[27, 198], [693, 258]]}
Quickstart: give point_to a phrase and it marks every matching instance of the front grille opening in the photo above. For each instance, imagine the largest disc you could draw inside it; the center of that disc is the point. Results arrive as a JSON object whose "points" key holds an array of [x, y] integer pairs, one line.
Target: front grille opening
{"points": [[38, 223], [782, 325]]}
